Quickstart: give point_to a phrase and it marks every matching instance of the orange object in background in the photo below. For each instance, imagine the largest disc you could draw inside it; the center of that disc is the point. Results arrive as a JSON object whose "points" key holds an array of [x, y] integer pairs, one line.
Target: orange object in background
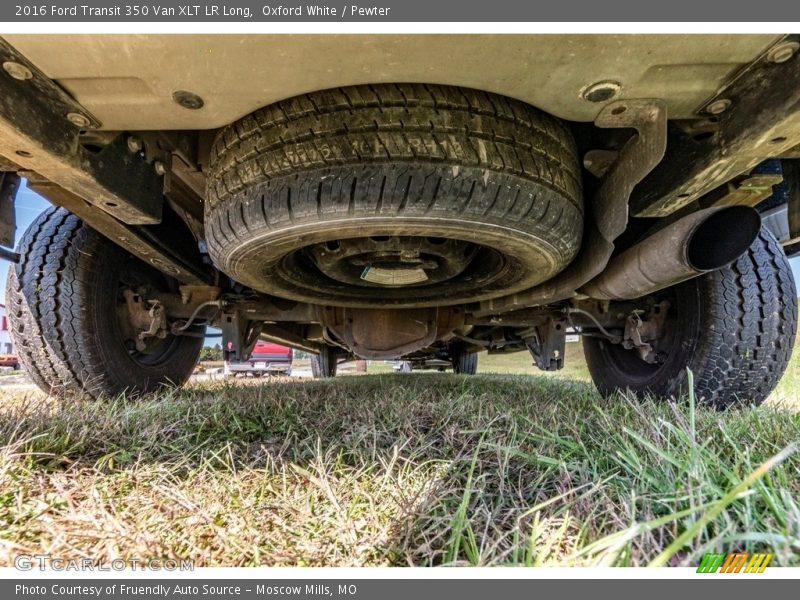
{"points": [[9, 360]]}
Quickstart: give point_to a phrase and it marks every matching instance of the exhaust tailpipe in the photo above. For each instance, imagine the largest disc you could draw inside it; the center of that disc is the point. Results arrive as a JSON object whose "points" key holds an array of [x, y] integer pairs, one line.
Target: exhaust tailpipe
{"points": [[703, 241]]}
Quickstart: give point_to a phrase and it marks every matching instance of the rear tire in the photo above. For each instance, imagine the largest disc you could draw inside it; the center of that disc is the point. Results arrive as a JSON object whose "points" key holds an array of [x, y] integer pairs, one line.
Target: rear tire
{"points": [[734, 328], [323, 365], [464, 363], [63, 305]]}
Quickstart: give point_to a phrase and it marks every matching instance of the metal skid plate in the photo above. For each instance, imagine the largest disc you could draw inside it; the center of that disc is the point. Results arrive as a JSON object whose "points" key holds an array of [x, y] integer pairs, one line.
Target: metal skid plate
{"points": [[757, 118]]}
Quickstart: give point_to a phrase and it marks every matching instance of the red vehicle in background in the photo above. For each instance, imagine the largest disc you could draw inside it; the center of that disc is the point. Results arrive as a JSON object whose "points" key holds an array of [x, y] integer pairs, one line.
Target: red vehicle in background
{"points": [[9, 360], [267, 359]]}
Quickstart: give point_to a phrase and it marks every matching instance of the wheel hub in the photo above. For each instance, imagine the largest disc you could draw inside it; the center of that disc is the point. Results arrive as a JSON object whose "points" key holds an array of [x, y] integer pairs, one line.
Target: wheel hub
{"points": [[392, 261], [397, 263]]}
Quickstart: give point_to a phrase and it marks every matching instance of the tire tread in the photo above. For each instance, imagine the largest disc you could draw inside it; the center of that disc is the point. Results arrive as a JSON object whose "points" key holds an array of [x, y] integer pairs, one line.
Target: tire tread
{"points": [[50, 295], [743, 338]]}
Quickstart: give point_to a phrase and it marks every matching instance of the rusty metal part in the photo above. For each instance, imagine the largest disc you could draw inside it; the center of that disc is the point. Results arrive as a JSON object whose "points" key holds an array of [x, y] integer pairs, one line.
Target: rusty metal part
{"points": [[199, 294], [643, 335], [146, 245], [243, 319], [747, 192], [187, 309], [40, 127], [279, 334], [147, 319], [698, 243], [761, 122], [205, 302], [9, 184], [389, 333], [633, 338], [636, 325], [547, 343], [598, 162], [157, 328], [276, 310], [523, 317], [609, 208]]}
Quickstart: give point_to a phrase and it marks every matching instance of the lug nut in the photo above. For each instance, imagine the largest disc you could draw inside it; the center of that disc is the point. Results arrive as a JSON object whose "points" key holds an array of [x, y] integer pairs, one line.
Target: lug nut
{"points": [[718, 106], [134, 144], [782, 52], [160, 167]]}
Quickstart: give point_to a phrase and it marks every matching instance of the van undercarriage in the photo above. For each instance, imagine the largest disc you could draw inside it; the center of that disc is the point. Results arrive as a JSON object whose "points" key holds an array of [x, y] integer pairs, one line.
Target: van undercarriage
{"points": [[422, 198]]}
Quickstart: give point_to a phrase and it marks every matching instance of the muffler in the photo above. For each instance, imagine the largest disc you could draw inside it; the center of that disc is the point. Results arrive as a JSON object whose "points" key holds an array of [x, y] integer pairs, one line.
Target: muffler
{"points": [[701, 242]]}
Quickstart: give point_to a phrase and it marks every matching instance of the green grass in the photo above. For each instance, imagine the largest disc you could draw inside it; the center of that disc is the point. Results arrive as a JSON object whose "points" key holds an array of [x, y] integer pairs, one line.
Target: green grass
{"points": [[786, 395], [405, 469], [521, 363], [11, 373]]}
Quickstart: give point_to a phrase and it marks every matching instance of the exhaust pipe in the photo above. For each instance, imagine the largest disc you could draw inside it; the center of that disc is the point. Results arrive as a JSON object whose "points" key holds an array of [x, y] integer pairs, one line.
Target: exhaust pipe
{"points": [[703, 241]]}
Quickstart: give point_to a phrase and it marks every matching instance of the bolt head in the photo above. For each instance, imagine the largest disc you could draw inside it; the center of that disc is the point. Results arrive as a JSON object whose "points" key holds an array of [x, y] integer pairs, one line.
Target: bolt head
{"points": [[17, 71], [601, 91], [134, 144], [78, 119], [718, 106], [188, 100], [160, 167], [783, 52]]}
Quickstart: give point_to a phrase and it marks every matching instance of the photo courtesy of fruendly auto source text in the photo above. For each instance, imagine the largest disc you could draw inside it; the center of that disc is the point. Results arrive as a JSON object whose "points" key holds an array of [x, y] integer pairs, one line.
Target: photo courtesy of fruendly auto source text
{"points": [[399, 299]]}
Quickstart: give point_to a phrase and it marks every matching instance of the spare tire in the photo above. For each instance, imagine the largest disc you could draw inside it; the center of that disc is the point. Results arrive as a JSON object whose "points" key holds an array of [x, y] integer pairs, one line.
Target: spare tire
{"points": [[394, 195]]}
